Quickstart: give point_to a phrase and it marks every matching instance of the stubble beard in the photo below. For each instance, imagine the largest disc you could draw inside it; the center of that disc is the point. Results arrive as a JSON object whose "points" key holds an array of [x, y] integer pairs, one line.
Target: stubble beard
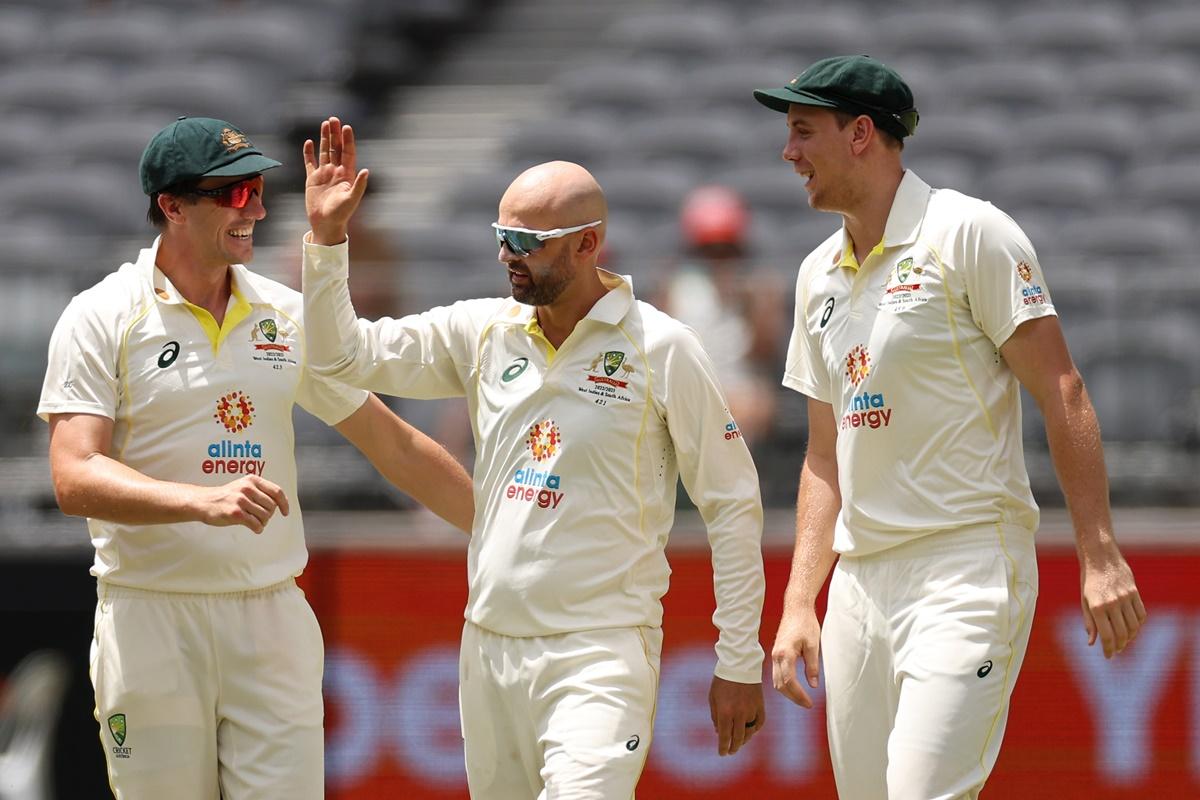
{"points": [[544, 289]]}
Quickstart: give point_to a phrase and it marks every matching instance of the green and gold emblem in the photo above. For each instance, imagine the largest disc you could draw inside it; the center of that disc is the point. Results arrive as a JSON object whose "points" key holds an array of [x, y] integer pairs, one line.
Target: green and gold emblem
{"points": [[116, 725]]}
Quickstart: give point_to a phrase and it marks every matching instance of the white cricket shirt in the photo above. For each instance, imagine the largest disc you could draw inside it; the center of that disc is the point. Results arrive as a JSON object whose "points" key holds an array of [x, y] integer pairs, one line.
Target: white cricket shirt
{"points": [[197, 404], [905, 349], [577, 454]]}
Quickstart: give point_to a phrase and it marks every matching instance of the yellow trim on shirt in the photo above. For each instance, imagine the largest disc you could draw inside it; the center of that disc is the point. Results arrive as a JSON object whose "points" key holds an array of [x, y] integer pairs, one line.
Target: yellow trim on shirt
{"points": [[987, 417], [233, 317], [123, 371], [637, 442], [849, 260], [534, 329]]}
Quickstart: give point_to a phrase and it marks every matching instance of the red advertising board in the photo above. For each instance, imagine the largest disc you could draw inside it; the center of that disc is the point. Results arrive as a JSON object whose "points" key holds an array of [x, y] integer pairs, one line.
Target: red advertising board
{"points": [[1080, 727]]}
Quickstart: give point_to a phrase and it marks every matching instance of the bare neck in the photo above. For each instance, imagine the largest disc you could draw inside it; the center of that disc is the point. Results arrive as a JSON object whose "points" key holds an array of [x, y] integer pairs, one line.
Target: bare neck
{"points": [[558, 319], [867, 219], [208, 286]]}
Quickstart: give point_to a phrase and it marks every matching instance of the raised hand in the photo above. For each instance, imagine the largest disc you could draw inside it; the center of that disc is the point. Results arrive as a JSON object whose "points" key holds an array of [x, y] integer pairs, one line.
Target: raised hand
{"points": [[333, 188], [249, 501]]}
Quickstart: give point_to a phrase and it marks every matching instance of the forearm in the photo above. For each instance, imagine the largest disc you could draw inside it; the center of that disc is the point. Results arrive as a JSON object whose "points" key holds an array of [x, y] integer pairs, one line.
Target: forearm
{"points": [[101, 488], [412, 462], [334, 339], [1073, 434], [739, 586], [818, 502]]}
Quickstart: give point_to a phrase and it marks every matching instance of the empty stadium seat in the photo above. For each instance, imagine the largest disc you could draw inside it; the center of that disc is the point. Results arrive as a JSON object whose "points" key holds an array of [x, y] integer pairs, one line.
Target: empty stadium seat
{"points": [[674, 38]]}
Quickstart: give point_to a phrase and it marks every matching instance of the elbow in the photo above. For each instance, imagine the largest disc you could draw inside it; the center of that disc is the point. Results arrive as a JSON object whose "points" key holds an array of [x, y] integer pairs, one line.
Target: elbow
{"points": [[69, 498]]}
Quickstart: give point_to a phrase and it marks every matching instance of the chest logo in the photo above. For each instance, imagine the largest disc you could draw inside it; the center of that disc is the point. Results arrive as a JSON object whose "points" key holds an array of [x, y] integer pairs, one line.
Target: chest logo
{"points": [[169, 353], [828, 312], [514, 370], [235, 411], [858, 364], [604, 387], [544, 440]]}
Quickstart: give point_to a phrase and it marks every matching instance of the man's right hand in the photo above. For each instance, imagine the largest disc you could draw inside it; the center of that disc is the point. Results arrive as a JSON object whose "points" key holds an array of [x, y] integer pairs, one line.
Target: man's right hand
{"points": [[249, 501], [797, 641]]}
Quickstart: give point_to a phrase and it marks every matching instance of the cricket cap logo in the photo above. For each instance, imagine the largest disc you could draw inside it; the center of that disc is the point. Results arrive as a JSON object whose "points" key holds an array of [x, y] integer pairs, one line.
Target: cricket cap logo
{"points": [[544, 440], [858, 364], [116, 726], [233, 140], [235, 411]]}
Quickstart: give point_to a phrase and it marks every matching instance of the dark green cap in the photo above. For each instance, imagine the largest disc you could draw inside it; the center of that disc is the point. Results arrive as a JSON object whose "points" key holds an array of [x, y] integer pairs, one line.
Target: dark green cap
{"points": [[855, 84], [198, 147]]}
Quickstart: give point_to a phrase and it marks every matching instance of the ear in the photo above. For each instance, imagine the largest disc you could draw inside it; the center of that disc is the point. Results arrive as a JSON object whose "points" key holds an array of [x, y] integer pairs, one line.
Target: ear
{"points": [[589, 243], [862, 133], [171, 206]]}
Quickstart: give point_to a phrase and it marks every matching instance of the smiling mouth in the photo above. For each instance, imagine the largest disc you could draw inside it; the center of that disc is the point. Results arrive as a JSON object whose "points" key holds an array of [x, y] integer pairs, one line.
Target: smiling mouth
{"points": [[243, 235]]}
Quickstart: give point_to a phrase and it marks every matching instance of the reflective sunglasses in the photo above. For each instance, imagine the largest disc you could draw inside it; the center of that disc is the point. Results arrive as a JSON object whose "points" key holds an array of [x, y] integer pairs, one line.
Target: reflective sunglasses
{"points": [[235, 195], [523, 241]]}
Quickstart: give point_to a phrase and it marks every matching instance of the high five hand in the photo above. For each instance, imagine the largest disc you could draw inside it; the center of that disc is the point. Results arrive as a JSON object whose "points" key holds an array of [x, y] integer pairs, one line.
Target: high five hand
{"points": [[333, 189]]}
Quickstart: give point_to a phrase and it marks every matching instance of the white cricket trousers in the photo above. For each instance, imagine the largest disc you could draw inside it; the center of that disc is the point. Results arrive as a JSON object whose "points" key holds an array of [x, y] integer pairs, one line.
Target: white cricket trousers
{"points": [[921, 647], [209, 696], [565, 717]]}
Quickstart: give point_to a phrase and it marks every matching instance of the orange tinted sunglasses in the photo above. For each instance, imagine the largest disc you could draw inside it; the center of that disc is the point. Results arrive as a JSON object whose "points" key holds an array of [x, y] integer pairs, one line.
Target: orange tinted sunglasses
{"points": [[234, 195]]}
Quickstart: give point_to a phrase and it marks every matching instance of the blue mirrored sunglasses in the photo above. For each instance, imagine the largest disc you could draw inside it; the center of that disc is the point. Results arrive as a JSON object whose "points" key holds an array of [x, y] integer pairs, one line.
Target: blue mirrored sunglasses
{"points": [[523, 241]]}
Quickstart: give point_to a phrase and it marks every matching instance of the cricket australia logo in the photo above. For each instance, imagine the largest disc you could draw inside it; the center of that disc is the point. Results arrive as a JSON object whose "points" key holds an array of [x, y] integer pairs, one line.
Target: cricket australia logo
{"points": [[601, 381], [116, 726], [858, 364], [544, 440]]}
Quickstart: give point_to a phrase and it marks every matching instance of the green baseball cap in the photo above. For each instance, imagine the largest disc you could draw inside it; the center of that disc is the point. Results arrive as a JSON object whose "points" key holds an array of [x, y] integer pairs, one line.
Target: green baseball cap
{"points": [[855, 84], [198, 147]]}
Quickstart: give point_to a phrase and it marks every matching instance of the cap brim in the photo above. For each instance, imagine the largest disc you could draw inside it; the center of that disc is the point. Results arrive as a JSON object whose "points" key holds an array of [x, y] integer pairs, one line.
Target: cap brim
{"points": [[246, 165], [781, 99]]}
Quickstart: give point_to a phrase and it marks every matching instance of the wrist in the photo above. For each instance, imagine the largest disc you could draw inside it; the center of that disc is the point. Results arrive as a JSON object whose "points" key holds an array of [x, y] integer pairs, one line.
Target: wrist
{"points": [[328, 235]]}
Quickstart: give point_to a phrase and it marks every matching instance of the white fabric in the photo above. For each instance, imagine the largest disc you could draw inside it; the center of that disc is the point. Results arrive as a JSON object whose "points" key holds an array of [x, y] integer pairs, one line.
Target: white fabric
{"points": [[558, 716], [131, 349], [905, 349], [919, 669], [577, 454], [221, 694]]}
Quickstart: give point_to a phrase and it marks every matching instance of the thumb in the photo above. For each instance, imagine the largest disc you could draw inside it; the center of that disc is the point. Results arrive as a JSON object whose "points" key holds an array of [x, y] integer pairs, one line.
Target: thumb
{"points": [[360, 186]]}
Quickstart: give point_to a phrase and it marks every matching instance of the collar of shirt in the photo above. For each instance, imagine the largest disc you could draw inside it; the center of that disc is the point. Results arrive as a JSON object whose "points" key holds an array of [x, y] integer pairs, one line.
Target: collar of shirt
{"points": [[609, 309], [903, 222]]}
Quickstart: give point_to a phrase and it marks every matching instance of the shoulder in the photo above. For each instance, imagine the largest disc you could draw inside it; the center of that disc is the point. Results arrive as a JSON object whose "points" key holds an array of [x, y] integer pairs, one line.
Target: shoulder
{"points": [[952, 214], [660, 333], [118, 296], [823, 256]]}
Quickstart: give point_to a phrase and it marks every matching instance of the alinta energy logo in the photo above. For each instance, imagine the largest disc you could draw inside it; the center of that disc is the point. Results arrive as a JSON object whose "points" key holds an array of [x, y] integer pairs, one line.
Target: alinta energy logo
{"points": [[235, 413], [531, 485], [1031, 293], [867, 410]]}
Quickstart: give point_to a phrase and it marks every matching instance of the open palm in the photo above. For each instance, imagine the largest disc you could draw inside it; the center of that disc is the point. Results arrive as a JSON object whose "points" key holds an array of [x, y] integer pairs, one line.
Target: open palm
{"points": [[334, 186]]}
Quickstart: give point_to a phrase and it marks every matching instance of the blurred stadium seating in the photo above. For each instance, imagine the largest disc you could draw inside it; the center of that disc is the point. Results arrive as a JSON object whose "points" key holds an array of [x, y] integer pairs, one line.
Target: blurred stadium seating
{"points": [[1080, 119]]}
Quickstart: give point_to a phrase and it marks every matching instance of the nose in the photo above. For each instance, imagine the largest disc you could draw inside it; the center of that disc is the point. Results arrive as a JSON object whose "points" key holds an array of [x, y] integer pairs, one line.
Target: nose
{"points": [[506, 255], [254, 208]]}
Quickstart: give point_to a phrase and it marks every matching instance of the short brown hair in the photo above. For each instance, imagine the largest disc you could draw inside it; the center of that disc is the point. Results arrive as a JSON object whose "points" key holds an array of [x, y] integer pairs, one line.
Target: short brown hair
{"points": [[844, 118], [154, 214]]}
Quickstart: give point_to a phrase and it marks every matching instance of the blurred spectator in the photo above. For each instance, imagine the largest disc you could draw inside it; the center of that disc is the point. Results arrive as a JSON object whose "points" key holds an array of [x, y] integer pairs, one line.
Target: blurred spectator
{"points": [[733, 304]]}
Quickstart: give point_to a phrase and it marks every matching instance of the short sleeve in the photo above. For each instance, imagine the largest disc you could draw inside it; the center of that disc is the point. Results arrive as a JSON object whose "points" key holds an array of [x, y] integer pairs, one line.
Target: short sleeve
{"points": [[1004, 280], [81, 373], [804, 370]]}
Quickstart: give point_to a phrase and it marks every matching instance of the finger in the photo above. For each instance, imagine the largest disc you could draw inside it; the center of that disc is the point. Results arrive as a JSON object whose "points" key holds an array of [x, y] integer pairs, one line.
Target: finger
{"points": [[1105, 632], [324, 152], [276, 493], [335, 141], [310, 157], [812, 664], [349, 150], [359, 188], [1120, 633], [1139, 608], [724, 734], [1089, 626], [1132, 623], [249, 520], [737, 731], [781, 669], [783, 678]]}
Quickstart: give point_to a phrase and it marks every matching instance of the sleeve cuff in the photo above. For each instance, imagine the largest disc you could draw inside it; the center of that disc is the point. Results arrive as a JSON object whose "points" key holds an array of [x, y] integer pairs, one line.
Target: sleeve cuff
{"points": [[738, 675], [327, 259]]}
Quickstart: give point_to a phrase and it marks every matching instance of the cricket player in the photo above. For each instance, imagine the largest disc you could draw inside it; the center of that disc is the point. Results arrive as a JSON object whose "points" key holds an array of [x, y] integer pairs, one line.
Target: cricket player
{"points": [[169, 394], [586, 406], [916, 324]]}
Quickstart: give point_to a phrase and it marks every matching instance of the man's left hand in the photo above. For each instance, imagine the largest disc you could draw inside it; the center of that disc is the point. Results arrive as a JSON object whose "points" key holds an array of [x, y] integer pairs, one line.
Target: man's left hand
{"points": [[738, 713]]}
